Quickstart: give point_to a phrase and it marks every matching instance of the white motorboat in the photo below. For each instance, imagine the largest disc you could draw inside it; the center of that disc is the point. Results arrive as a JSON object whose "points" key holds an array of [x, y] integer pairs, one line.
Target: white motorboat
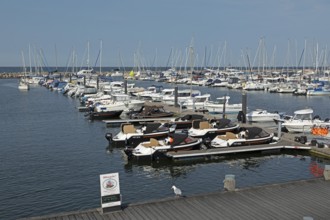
{"points": [[119, 102], [247, 136], [158, 97], [260, 115], [183, 95], [196, 102], [320, 91], [216, 107], [210, 129], [303, 121], [174, 142], [133, 135]]}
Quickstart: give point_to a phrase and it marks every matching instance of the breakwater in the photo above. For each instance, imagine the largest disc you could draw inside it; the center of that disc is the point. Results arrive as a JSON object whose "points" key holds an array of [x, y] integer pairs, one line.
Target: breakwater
{"points": [[11, 75]]}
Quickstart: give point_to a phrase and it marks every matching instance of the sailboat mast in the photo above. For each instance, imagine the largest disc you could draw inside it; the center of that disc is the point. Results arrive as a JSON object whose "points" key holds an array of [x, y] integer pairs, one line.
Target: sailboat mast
{"points": [[100, 57], [30, 59], [55, 58], [191, 57], [23, 61], [88, 55]]}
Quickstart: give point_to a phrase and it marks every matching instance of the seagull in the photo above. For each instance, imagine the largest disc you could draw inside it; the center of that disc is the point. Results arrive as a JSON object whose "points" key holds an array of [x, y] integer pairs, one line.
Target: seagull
{"points": [[177, 191]]}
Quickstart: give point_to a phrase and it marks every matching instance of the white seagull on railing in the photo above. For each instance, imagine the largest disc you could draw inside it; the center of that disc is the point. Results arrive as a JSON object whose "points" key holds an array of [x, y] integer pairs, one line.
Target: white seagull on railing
{"points": [[177, 191]]}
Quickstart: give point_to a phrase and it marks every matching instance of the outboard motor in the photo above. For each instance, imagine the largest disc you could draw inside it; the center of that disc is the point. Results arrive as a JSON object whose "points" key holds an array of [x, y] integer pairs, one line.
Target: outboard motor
{"points": [[129, 153], [108, 136], [206, 143]]}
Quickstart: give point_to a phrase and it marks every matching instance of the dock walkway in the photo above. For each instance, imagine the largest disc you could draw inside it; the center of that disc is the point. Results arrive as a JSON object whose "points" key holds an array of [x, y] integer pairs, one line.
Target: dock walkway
{"points": [[293, 200]]}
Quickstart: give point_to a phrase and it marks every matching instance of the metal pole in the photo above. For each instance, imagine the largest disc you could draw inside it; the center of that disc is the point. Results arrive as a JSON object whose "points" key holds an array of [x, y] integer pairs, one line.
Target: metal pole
{"points": [[125, 86], [176, 96], [224, 108], [97, 83], [279, 129], [244, 106]]}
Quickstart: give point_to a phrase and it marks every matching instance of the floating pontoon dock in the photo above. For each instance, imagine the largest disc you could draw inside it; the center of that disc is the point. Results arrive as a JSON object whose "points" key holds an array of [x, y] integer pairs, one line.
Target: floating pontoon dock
{"points": [[232, 150], [138, 120]]}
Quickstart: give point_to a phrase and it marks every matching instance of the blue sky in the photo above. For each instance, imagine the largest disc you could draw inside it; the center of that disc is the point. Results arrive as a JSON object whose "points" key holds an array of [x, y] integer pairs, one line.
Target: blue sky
{"points": [[151, 31]]}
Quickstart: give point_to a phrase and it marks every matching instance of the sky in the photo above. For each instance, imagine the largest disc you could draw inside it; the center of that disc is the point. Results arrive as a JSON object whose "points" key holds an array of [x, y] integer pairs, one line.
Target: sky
{"points": [[164, 33]]}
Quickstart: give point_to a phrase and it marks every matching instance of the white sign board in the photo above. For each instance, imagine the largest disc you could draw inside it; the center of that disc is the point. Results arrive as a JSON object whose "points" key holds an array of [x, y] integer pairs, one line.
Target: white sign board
{"points": [[110, 191]]}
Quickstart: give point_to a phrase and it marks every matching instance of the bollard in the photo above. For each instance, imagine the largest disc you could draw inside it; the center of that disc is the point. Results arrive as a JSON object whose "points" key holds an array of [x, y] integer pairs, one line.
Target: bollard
{"points": [[229, 182], [326, 172]]}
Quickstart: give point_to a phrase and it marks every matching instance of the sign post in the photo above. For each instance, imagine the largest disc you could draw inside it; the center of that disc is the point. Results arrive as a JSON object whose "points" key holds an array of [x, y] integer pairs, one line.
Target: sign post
{"points": [[110, 192]]}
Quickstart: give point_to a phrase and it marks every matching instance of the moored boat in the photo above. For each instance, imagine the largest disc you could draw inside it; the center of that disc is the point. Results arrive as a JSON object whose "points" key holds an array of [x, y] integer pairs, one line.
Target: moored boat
{"points": [[260, 115], [131, 135], [303, 121], [154, 148], [152, 111], [96, 115], [246, 136], [212, 128], [185, 122], [222, 104]]}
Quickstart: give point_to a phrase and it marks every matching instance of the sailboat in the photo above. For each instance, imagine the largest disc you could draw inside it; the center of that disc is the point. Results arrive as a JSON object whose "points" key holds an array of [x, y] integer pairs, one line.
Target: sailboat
{"points": [[23, 84]]}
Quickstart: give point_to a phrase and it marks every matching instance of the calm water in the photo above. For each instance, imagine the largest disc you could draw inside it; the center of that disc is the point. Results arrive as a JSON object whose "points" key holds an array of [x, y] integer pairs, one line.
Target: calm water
{"points": [[51, 156]]}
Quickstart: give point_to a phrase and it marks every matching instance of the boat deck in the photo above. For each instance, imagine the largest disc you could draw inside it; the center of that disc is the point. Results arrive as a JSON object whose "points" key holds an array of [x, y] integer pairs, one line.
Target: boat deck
{"points": [[293, 200]]}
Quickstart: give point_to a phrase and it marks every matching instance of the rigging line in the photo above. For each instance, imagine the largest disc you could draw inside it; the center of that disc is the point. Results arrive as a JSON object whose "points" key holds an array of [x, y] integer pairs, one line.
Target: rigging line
{"points": [[97, 58]]}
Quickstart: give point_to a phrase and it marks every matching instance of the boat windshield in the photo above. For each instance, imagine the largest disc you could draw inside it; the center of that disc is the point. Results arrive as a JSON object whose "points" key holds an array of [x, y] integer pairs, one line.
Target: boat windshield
{"points": [[303, 117]]}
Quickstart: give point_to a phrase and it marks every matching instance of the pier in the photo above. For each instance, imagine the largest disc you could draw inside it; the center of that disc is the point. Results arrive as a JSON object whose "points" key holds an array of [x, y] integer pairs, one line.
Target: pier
{"points": [[293, 200]]}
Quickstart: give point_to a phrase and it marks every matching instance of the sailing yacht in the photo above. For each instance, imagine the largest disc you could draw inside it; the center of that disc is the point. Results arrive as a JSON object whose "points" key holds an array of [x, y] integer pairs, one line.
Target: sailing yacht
{"points": [[23, 84]]}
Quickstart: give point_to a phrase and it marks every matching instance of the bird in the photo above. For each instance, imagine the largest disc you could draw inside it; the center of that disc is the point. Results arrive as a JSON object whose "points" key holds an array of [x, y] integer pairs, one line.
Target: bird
{"points": [[177, 191]]}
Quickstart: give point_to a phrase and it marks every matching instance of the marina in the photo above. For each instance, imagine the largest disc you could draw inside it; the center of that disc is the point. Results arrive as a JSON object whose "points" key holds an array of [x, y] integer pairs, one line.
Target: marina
{"points": [[71, 149], [105, 114]]}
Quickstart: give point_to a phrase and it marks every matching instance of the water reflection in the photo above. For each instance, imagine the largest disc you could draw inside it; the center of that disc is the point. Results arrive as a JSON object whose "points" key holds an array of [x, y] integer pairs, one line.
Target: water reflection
{"points": [[180, 168]]}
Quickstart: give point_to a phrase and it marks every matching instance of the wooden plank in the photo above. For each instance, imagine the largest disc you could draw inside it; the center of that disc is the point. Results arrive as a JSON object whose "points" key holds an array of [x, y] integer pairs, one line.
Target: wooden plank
{"points": [[157, 211], [201, 209], [176, 207], [142, 212], [95, 214]]}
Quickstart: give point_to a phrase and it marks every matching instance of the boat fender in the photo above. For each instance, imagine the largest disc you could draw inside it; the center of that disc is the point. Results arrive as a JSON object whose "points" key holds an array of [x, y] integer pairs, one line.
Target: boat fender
{"points": [[108, 136]]}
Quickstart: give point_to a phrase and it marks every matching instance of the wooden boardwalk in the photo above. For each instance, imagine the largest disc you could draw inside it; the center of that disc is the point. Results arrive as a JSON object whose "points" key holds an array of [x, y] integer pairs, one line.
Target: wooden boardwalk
{"points": [[294, 200]]}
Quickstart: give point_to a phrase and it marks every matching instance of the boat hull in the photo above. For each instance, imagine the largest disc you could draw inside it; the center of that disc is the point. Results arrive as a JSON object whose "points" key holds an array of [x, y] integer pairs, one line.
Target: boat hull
{"points": [[160, 151], [135, 140], [104, 115]]}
